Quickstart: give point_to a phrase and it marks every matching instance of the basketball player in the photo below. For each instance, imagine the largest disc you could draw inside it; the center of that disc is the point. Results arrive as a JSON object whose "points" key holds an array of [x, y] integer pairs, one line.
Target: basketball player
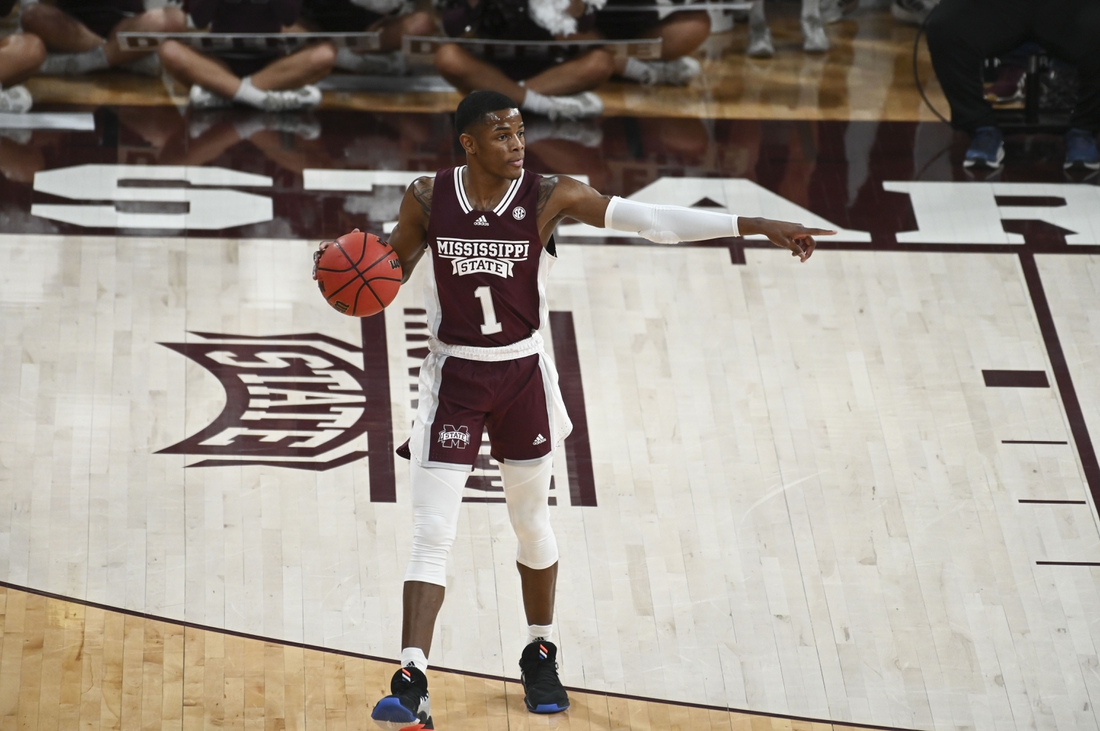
{"points": [[487, 230]]}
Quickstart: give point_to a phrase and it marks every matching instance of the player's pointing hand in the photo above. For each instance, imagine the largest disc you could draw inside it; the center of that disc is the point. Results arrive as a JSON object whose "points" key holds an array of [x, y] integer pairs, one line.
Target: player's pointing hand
{"points": [[793, 236]]}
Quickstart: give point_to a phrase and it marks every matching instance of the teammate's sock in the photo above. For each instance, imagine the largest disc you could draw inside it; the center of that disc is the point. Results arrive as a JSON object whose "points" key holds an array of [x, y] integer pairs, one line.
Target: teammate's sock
{"points": [[384, 64], [348, 59], [539, 632], [148, 65], [66, 64], [638, 70], [537, 103], [249, 94], [415, 656]]}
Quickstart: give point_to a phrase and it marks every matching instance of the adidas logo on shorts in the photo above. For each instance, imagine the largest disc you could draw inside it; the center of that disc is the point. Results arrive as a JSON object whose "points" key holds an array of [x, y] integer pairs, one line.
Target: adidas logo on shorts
{"points": [[538, 440], [481, 221]]}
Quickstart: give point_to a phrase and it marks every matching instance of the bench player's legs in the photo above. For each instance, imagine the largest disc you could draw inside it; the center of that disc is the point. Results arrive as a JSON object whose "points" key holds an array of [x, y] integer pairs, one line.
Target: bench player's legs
{"points": [[681, 35], [307, 66], [20, 56], [271, 84], [559, 91], [162, 20], [82, 48]]}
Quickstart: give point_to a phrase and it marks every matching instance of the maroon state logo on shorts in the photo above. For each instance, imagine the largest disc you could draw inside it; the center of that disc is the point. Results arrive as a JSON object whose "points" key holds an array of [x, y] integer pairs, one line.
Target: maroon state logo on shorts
{"points": [[451, 438]]}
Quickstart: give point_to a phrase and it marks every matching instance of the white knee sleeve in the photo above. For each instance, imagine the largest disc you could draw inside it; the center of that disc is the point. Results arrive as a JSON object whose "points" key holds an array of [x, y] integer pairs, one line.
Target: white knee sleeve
{"points": [[436, 498], [527, 488]]}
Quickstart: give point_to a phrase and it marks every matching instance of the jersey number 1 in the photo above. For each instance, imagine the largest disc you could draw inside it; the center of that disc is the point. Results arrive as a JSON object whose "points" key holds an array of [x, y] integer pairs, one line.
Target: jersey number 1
{"points": [[489, 314]]}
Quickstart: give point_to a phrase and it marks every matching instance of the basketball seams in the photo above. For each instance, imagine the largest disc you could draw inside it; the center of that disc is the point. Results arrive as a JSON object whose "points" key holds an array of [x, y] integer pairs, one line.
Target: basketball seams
{"points": [[376, 262], [355, 302], [359, 274], [354, 265], [342, 288], [362, 251], [330, 269], [374, 294]]}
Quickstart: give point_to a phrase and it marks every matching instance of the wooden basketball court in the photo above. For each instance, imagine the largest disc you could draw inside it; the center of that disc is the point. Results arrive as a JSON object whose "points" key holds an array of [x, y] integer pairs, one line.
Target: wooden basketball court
{"points": [[859, 492]]}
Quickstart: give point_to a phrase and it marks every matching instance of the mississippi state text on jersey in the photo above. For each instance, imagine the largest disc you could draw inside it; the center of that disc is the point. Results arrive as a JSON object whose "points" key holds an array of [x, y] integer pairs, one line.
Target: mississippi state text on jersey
{"points": [[489, 268]]}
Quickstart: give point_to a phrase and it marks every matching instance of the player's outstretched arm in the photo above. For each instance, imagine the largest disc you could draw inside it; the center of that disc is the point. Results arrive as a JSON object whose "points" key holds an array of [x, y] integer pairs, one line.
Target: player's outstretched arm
{"points": [[670, 224], [411, 232]]}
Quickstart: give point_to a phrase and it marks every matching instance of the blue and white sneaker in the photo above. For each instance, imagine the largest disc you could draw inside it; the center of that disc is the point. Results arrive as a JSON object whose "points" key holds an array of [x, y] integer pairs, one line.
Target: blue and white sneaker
{"points": [[407, 708], [1081, 149], [539, 672], [987, 149]]}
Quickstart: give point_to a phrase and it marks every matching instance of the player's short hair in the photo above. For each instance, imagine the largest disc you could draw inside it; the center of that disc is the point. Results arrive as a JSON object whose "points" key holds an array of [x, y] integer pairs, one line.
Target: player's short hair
{"points": [[477, 104]]}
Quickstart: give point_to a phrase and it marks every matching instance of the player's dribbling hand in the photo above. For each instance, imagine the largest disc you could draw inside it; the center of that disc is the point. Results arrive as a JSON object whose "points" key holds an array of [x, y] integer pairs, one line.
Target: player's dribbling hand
{"points": [[321, 250], [795, 237]]}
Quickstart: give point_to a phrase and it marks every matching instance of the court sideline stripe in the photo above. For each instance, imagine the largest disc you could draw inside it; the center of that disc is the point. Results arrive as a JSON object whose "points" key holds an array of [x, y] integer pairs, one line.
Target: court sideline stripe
{"points": [[1077, 426], [1067, 563], [1055, 502], [449, 671]]}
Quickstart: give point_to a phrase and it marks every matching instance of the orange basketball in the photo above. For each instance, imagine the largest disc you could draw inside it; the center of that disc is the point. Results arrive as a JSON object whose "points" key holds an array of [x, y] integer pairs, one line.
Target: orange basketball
{"points": [[359, 274]]}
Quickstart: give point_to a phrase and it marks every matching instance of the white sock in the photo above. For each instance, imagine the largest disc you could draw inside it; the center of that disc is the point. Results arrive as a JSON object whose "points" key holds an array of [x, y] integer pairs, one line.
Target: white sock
{"points": [[415, 656], [75, 63], [348, 59], [148, 65], [93, 60], [249, 94], [537, 103], [636, 70], [539, 632], [386, 64]]}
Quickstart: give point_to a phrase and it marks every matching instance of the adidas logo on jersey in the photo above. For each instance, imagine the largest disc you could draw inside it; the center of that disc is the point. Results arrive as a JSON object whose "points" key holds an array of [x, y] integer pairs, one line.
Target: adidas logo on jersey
{"points": [[481, 221], [538, 440]]}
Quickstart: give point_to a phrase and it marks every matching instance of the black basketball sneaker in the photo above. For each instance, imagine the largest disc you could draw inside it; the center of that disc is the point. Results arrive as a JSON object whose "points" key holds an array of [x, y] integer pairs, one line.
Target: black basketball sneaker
{"points": [[407, 707], [539, 672]]}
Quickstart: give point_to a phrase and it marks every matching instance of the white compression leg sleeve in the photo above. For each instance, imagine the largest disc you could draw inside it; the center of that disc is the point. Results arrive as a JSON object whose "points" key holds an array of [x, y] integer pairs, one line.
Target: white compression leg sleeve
{"points": [[526, 489], [436, 498], [668, 224]]}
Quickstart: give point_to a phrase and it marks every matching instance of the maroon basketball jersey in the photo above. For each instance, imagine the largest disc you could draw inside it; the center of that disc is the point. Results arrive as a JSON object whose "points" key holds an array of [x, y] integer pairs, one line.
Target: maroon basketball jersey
{"points": [[489, 268]]}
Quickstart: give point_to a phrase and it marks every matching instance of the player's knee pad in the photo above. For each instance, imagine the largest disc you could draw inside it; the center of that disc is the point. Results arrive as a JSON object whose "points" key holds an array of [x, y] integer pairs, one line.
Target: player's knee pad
{"points": [[527, 489], [437, 497]]}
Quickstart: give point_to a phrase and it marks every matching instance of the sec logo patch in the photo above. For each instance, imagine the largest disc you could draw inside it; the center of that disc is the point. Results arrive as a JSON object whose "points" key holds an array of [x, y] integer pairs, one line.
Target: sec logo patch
{"points": [[518, 213]]}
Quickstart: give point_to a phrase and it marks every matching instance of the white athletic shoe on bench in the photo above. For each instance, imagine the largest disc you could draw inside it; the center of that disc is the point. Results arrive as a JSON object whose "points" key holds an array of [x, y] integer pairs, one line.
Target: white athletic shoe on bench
{"points": [[202, 98], [678, 72], [292, 100], [15, 100], [576, 106]]}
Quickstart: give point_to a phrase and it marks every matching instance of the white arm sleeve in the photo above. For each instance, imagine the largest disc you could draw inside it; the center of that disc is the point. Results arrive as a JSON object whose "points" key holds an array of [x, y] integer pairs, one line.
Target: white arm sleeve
{"points": [[668, 224]]}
